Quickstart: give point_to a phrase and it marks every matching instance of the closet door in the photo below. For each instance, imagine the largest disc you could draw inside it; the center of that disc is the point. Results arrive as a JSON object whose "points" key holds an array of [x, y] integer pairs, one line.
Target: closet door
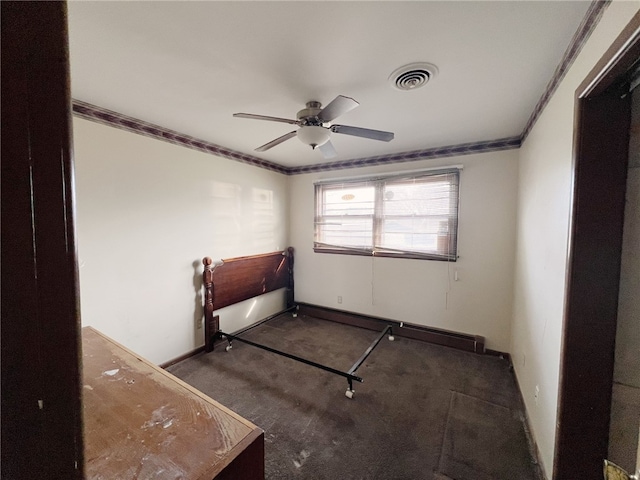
{"points": [[603, 113]]}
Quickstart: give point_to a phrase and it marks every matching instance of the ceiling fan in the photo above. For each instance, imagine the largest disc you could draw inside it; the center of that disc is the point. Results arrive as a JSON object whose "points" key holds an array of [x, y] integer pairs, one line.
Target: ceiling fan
{"points": [[316, 128]]}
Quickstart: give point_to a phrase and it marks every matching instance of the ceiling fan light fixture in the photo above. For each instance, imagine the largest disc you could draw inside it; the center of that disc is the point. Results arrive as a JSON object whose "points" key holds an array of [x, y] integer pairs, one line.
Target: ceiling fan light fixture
{"points": [[314, 135], [316, 127], [412, 76]]}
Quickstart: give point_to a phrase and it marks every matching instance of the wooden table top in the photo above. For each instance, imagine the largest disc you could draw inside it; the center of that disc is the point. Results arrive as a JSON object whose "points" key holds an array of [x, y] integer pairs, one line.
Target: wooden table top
{"points": [[142, 422]]}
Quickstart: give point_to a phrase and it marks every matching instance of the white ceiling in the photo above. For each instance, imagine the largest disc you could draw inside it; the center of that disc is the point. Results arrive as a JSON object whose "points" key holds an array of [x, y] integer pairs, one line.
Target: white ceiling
{"points": [[188, 66]]}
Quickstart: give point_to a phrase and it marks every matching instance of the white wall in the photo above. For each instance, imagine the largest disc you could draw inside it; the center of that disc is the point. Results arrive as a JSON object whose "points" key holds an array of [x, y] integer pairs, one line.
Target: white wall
{"points": [[147, 212], [542, 232], [421, 291]]}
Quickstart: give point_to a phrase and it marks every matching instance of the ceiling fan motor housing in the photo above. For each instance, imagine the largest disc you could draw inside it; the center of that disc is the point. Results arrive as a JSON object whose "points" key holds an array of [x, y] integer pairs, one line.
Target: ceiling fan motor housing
{"points": [[309, 115]]}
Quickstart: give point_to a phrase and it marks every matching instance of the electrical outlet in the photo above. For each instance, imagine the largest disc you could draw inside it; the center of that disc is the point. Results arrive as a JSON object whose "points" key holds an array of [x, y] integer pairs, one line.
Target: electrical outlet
{"points": [[536, 393], [339, 299]]}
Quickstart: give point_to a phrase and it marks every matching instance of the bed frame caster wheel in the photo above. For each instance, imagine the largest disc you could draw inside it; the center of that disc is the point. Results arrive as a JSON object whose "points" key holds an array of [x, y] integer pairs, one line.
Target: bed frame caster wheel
{"points": [[391, 338], [349, 393], [228, 347]]}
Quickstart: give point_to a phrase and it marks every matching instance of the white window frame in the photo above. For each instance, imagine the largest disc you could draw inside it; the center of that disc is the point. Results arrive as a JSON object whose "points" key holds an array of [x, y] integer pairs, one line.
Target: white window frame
{"points": [[373, 238]]}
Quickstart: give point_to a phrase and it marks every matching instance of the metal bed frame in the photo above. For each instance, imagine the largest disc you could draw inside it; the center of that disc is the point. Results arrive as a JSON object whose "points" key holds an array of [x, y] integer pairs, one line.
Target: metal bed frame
{"points": [[233, 280]]}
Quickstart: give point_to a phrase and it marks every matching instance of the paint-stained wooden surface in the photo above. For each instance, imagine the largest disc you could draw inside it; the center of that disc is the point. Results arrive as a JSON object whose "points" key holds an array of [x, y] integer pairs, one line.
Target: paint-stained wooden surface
{"points": [[141, 422]]}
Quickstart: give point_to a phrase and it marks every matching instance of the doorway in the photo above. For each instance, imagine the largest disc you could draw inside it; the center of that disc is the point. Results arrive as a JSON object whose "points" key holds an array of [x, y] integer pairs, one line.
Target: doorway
{"points": [[603, 113]]}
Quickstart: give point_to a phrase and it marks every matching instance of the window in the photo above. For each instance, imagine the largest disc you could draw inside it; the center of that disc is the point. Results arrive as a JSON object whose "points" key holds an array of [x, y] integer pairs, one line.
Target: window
{"points": [[408, 216]]}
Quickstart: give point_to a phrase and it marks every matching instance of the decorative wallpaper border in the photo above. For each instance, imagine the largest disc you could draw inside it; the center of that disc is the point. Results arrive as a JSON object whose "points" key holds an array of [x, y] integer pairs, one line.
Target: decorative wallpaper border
{"points": [[118, 120], [430, 153], [589, 22], [114, 119]]}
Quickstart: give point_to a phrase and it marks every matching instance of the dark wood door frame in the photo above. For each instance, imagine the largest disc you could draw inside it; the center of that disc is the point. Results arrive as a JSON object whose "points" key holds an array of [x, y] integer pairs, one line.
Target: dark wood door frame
{"points": [[41, 399], [601, 140]]}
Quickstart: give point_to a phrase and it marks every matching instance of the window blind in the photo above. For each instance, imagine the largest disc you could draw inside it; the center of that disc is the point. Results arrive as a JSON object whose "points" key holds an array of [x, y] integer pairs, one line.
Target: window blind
{"points": [[410, 216]]}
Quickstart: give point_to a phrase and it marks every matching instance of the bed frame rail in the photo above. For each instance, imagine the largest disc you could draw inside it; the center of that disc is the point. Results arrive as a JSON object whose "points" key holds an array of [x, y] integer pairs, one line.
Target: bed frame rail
{"points": [[234, 280], [350, 376]]}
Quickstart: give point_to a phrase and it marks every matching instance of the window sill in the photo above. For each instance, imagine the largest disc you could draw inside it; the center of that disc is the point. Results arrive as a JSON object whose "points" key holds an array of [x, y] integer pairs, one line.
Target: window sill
{"points": [[410, 256]]}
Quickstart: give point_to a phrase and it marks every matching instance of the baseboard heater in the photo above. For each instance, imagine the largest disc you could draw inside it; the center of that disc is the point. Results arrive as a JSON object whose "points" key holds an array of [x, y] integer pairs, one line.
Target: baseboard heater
{"points": [[461, 341]]}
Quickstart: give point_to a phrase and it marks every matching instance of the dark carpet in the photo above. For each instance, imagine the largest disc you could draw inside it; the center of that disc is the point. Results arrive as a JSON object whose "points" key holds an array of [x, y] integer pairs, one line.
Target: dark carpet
{"points": [[423, 412]]}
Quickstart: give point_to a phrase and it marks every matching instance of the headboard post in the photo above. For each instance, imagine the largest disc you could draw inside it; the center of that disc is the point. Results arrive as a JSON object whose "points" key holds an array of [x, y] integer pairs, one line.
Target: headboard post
{"points": [[210, 322], [290, 291]]}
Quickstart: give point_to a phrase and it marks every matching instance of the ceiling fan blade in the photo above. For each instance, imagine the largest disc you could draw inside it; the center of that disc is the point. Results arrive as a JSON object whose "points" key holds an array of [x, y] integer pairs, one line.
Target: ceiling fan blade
{"points": [[363, 132], [275, 142], [265, 117], [327, 149], [337, 107]]}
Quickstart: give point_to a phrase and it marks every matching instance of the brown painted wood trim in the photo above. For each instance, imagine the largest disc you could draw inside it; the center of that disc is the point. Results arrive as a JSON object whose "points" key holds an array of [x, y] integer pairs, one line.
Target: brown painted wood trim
{"points": [[497, 353], [461, 341], [593, 270], [41, 384], [181, 358], [213, 340], [470, 343]]}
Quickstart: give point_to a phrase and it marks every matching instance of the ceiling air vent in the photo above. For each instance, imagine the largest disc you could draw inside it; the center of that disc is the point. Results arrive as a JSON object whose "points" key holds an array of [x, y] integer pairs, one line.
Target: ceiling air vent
{"points": [[412, 76]]}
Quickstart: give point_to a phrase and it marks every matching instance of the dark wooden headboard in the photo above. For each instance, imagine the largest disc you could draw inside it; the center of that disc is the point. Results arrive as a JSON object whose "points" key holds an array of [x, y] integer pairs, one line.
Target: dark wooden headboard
{"points": [[236, 279]]}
